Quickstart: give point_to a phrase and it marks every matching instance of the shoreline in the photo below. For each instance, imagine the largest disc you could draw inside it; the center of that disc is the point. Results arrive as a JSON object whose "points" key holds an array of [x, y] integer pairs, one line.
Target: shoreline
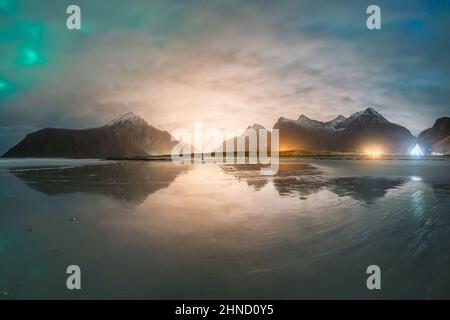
{"points": [[203, 158], [286, 157]]}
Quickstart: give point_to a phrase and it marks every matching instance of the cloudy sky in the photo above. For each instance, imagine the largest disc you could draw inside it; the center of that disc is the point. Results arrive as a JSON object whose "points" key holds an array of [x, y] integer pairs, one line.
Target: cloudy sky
{"points": [[226, 63]]}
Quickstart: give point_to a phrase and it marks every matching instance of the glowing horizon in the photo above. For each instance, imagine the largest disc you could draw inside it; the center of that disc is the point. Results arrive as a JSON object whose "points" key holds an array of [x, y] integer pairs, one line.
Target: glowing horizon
{"points": [[227, 64]]}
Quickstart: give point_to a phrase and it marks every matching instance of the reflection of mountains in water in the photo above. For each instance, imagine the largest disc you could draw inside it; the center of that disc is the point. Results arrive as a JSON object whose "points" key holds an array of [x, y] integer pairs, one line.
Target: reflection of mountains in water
{"points": [[131, 182], [305, 179], [365, 189]]}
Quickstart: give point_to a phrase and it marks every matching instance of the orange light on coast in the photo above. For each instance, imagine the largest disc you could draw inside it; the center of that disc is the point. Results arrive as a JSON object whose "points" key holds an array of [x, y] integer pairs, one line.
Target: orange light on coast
{"points": [[373, 152]]}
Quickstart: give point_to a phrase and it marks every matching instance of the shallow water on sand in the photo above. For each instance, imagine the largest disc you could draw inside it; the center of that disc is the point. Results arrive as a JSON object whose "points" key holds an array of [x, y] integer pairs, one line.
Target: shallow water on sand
{"points": [[156, 230]]}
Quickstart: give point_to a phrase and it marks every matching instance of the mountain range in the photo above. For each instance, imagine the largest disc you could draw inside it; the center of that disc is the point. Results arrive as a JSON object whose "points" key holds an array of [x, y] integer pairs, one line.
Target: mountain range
{"points": [[437, 138], [359, 132], [126, 136], [131, 136], [244, 139]]}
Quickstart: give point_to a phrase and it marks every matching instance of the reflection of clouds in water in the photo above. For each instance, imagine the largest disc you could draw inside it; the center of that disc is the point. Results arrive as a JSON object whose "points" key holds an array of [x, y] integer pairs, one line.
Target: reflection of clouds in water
{"points": [[294, 179]]}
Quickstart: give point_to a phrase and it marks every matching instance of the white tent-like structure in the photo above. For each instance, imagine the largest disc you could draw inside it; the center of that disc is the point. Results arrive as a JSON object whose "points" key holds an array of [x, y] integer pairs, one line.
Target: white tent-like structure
{"points": [[416, 151]]}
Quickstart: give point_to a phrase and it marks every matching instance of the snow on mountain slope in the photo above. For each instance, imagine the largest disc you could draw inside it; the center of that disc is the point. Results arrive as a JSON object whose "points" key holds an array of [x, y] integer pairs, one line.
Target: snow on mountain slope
{"points": [[129, 118], [344, 134], [339, 123]]}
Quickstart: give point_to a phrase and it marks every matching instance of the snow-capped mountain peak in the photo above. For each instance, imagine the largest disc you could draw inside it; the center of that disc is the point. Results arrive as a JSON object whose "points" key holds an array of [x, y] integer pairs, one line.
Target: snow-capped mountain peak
{"points": [[302, 117], [366, 112], [364, 117], [307, 122], [370, 110], [256, 127], [343, 134], [128, 118], [369, 115], [282, 119], [339, 118], [336, 121]]}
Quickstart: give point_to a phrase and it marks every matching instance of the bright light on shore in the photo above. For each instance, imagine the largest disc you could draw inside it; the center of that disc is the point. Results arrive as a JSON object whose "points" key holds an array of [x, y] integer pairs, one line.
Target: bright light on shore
{"points": [[416, 151], [374, 153]]}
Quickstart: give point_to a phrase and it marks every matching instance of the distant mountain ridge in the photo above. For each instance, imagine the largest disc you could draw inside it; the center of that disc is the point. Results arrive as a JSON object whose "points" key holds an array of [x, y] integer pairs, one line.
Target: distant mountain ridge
{"points": [[361, 130], [127, 135], [437, 138], [131, 136], [241, 143]]}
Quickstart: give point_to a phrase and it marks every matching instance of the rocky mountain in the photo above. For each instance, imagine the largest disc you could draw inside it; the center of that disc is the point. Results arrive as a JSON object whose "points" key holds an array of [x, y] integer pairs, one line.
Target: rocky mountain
{"points": [[131, 136], [126, 136], [251, 130], [360, 131], [437, 138]]}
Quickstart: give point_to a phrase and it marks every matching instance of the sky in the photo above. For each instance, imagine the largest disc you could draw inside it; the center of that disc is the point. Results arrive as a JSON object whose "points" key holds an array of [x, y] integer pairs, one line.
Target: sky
{"points": [[226, 63]]}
